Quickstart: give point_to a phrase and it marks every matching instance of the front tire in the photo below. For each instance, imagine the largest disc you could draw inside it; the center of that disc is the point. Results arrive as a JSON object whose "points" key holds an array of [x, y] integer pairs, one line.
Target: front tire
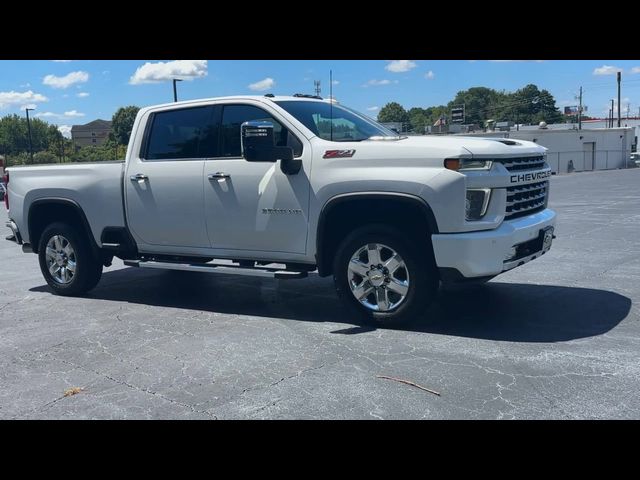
{"points": [[67, 261], [385, 277]]}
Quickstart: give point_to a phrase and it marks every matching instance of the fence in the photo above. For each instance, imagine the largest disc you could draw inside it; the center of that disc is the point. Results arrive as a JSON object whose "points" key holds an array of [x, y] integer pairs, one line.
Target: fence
{"points": [[581, 161]]}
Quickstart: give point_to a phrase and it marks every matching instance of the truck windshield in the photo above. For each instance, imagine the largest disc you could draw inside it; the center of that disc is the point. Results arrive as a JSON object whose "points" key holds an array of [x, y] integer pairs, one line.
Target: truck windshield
{"points": [[348, 125]]}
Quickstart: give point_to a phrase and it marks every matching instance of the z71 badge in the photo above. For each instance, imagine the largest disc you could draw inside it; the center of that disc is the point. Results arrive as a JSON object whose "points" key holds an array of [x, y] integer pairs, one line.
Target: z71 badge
{"points": [[530, 177]]}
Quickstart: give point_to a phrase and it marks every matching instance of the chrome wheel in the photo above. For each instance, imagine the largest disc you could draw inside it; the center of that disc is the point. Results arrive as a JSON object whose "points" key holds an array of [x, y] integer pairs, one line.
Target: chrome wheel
{"points": [[61, 259], [378, 277]]}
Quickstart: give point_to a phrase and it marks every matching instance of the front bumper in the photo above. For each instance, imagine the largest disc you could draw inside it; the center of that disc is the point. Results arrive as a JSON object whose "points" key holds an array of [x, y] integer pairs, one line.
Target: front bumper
{"points": [[483, 254]]}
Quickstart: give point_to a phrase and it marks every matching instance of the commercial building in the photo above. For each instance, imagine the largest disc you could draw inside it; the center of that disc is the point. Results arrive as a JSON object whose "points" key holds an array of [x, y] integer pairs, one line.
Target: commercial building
{"points": [[572, 150], [91, 134]]}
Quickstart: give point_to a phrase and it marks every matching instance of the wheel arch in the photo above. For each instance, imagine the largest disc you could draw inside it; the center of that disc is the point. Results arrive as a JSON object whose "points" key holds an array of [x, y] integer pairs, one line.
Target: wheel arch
{"points": [[44, 211], [336, 208]]}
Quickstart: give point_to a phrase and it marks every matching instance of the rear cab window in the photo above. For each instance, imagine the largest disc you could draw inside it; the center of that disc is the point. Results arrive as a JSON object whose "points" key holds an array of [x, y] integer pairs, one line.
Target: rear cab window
{"points": [[181, 134]]}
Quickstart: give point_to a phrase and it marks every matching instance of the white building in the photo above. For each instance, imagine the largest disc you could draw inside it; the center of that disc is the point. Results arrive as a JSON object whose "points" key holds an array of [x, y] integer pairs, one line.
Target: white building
{"points": [[577, 150]]}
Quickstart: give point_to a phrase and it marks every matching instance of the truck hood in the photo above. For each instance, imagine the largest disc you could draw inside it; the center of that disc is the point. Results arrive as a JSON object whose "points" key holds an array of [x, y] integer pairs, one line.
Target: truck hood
{"points": [[452, 146], [436, 148]]}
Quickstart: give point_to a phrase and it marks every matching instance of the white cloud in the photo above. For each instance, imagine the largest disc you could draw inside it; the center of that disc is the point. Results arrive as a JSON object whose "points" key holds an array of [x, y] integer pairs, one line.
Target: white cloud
{"points": [[65, 130], [61, 61], [430, 75], [266, 84], [12, 98], [82, 94], [66, 81], [163, 71], [399, 66], [373, 109], [635, 70], [31, 106], [25, 85], [336, 82], [61, 116], [73, 113], [377, 83], [606, 70]]}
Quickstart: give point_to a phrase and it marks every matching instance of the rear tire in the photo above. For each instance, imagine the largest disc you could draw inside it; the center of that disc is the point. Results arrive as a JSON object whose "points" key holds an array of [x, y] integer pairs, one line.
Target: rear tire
{"points": [[386, 298], [67, 261]]}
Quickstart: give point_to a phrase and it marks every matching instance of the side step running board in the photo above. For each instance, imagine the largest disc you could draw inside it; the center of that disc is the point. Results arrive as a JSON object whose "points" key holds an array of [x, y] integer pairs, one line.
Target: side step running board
{"points": [[213, 268]]}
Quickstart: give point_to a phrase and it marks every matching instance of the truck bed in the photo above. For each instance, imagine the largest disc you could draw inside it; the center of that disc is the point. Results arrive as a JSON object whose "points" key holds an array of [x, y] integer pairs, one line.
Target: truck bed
{"points": [[95, 187]]}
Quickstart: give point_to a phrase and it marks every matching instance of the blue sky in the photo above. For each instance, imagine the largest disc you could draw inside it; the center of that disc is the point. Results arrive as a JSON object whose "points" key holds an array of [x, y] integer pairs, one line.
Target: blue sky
{"points": [[74, 92]]}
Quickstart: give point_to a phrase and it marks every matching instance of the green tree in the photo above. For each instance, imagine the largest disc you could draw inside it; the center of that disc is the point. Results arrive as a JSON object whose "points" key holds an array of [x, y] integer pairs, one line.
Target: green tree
{"points": [[435, 113], [99, 153], [548, 111], [44, 157], [13, 160], [393, 112], [122, 123], [418, 118], [480, 103], [529, 105], [14, 135]]}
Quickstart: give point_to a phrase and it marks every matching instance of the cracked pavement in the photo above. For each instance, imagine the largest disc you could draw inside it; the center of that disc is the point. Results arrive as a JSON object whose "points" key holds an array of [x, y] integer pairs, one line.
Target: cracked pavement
{"points": [[557, 338]]}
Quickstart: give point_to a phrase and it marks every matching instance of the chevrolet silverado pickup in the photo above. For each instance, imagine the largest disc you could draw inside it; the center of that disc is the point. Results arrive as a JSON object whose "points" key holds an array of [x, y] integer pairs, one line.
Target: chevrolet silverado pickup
{"points": [[283, 186]]}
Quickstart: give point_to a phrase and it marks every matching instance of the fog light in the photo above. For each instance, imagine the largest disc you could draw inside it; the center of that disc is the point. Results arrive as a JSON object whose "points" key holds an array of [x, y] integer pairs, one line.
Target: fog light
{"points": [[477, 203]]}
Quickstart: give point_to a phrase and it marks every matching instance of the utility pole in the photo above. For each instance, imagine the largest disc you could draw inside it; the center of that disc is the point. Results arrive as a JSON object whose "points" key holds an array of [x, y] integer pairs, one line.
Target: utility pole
{"points": [[316, 86], [580, 111], [619, 80], [611, 122], [29, 128]]}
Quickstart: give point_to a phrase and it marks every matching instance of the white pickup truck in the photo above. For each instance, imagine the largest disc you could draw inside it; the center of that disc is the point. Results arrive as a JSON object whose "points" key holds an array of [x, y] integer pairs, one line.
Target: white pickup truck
{"points": [[283, 186]]}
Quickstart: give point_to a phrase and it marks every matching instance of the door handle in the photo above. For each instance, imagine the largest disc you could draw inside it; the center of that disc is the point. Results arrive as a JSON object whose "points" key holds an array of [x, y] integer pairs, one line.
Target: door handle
{"points": [[139, 178], [219, 176]]}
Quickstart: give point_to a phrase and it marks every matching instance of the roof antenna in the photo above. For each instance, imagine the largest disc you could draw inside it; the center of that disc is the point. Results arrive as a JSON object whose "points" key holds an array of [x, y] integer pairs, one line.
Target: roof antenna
{"points": [[331, 102]]}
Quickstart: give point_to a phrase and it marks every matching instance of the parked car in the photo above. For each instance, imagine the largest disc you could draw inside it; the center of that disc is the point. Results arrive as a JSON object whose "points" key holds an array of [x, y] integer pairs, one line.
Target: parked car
{"points": [[635, 158], [283, 186]]}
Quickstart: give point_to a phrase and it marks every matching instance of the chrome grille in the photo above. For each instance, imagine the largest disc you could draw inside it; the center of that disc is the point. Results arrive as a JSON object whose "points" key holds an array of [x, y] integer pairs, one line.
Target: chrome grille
{"points": [[522, 163], [526, 199]]}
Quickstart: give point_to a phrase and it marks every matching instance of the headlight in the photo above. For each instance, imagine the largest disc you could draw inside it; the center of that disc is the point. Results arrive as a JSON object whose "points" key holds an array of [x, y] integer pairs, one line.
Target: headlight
{"points": [[477, 203], [475, 164], [457, 164]]}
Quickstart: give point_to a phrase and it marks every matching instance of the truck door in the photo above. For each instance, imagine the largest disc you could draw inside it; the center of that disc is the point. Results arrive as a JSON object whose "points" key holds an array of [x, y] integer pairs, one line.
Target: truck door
{"points": [[255, 206], [164, 181]]}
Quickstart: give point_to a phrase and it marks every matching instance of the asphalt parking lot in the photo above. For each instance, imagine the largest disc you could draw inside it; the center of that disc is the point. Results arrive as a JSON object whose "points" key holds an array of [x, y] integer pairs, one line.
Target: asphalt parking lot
{"points": [[557, 338]]}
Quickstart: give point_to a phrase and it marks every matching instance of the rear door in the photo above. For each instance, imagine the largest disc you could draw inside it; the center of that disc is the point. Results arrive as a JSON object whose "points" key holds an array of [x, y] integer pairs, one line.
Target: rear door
{"points": [[164, 180]]}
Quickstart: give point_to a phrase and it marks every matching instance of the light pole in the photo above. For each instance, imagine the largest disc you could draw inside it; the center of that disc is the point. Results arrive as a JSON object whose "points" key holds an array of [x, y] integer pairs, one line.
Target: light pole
{"points": [[175, 91], [29, 128]]}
